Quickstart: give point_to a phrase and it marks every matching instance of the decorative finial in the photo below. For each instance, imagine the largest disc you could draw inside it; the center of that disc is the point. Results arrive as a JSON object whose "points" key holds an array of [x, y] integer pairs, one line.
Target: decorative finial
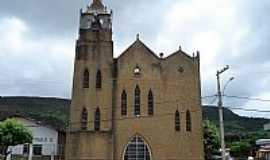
{"points": [[180, 48], [198, 52], [161, 55], [138, 36]]}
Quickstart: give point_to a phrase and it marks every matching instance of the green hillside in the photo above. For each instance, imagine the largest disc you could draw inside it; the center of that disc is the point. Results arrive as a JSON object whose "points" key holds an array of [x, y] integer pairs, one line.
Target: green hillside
{"points": [[49, 111], [54, 112], [234, 123]]}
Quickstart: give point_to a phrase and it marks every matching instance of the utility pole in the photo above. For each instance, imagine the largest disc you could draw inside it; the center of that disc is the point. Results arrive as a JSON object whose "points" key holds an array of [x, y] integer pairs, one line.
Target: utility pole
{"points": [[220, 108]]}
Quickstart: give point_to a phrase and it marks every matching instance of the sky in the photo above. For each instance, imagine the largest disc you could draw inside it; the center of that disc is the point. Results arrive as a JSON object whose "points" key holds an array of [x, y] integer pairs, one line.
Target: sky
{"points": [[37, 43]]}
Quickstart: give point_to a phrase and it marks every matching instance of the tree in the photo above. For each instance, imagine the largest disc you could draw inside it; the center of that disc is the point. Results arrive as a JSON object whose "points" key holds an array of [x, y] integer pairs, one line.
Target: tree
{"points": [[211, 139], [240, 149], [13, 133]]}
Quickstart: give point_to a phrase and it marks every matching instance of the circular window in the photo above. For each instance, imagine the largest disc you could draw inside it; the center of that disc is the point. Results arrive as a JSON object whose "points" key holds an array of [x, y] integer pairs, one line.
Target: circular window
{"points": [[181, 69], [137, 70]]}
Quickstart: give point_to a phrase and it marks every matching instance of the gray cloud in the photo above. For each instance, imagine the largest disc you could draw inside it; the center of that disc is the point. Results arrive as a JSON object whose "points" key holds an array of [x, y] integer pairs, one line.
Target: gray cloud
{"points": [[45, 17], [226, 32]]}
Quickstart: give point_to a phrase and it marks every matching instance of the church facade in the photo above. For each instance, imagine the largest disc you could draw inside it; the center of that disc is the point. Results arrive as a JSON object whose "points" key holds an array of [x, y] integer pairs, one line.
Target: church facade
{"points": [[138, 106]]}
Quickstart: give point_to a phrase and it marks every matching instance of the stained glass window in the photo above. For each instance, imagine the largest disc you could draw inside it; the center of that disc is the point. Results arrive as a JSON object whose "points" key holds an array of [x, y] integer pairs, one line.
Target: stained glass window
{"points": [[137, 149]]}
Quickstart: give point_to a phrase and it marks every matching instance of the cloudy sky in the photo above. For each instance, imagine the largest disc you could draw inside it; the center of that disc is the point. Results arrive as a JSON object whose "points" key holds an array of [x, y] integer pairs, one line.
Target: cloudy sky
{"points": [[37, 41]]}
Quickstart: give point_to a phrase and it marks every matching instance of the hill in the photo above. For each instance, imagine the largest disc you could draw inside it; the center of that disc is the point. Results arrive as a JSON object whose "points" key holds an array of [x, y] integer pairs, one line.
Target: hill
{"points": [[234, 123], [49, 111], [54, 112]]}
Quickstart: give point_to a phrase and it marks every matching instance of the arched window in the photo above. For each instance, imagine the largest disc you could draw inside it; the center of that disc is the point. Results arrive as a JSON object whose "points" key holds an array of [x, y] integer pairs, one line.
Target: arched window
{"points": [[97, 120], [137, 101], [137, 149], [86, 79], [188, 121], [84, 119], [177, 121], [98, 80], [124, 103], [150, 103]]}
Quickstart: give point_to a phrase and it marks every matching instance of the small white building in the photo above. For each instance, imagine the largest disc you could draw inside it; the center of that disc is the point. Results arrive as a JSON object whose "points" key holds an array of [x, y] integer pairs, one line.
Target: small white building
{"points": [[267, 127], [45, 143]]}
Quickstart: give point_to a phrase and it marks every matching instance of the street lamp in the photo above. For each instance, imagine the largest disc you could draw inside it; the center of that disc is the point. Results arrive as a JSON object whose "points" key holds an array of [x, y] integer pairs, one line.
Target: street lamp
{"points": [[226, 84], [221, 124]]}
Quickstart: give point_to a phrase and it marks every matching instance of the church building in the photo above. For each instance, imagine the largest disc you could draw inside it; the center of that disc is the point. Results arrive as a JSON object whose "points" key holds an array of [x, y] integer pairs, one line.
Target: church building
{"points": [[138, 106]]}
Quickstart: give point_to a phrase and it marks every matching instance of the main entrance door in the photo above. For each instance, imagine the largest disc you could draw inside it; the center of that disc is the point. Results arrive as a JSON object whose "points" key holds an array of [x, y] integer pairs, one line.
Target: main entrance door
{"points": [[137, 149]]}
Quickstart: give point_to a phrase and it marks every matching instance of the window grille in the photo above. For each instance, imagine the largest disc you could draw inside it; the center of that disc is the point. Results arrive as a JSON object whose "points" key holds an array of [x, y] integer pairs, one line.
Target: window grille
{"points": [[177, 121], [137, 149], [26, 149], [137, 101], [97, 120], [37, 149], [84, 119]]}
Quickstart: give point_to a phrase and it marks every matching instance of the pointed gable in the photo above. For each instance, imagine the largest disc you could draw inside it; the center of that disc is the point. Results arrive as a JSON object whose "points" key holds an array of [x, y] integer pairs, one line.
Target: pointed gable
{"points": [[180, 53], [180, 58], [141, 47], [180, 64], [138, 55]]}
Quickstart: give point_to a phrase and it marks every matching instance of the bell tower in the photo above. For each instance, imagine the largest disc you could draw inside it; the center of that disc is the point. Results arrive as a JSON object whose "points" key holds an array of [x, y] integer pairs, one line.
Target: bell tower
{"points": [[90, 127], [96, 23]]}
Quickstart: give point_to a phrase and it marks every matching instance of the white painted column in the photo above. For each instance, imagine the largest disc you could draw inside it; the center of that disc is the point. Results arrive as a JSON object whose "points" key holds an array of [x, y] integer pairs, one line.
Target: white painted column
{"points": [[30, 155], [52, 152], [9, 156]]}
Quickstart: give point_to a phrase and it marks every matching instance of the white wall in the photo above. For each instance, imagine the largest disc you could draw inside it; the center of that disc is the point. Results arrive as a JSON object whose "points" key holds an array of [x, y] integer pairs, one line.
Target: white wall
{"points": [[267, 127], [45, 136]]}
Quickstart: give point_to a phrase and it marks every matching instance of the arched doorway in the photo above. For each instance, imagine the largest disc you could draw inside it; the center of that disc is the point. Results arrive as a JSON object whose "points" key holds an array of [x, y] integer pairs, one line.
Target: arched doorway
{"points": [[137, 149]]}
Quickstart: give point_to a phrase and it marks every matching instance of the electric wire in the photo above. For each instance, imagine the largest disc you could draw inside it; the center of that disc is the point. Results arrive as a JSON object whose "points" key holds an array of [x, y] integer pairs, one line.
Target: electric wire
{"points": [[243, 108], [247, 98]]}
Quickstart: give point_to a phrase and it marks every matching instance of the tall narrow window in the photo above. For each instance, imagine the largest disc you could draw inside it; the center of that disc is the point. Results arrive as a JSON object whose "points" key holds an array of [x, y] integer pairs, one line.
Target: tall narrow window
{"points": [[150, 103], [98, 80], [86, 79], [84, 119], [177, 121], [124, 103], [188, 121], [97, 120], [137, 101]]}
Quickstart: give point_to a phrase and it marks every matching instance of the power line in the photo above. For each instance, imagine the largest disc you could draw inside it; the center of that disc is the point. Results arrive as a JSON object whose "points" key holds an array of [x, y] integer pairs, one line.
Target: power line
{"points": [[214, 99], [244, 109], [248, 110], [210, 96], [239, 97], [248, 98]]}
